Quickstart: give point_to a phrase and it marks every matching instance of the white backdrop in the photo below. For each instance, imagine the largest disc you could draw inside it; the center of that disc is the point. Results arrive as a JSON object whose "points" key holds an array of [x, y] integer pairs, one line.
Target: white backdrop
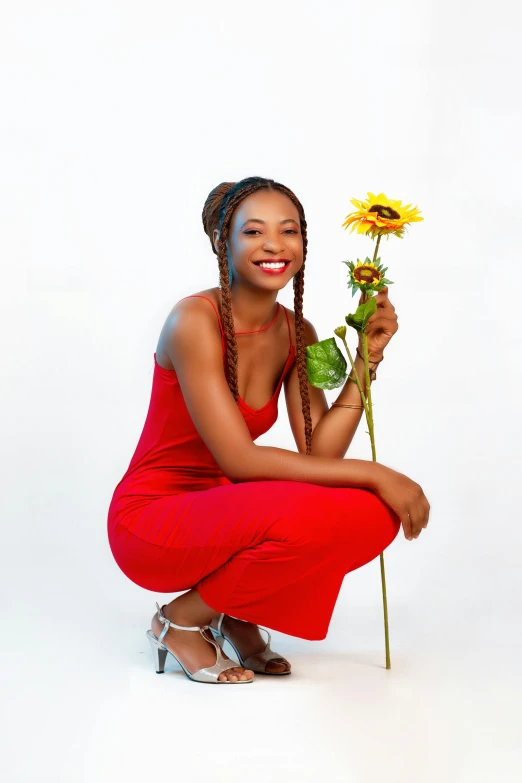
{"points": [[116, 120]]}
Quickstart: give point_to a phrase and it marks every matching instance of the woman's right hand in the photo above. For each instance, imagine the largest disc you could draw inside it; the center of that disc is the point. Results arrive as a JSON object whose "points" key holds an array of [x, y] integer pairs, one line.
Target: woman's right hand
{"points": [[405, 497]]}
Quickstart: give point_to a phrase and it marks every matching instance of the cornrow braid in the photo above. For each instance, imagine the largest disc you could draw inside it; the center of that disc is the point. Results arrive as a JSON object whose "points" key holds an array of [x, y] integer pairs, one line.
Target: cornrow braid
{"points": [[217, 213]]}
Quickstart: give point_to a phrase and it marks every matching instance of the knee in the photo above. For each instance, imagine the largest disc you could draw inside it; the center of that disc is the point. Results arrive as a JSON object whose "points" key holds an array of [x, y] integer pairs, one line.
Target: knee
{"points": [[314, 516], [350, 517]]}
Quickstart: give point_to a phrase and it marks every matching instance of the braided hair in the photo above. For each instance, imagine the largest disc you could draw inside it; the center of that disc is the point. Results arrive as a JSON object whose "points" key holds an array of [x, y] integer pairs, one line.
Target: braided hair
{"points": [[217, 212]]}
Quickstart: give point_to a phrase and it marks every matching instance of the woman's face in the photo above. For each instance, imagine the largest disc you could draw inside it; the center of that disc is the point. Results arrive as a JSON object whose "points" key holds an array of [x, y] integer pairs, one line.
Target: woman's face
{"points": [[264, 227]]}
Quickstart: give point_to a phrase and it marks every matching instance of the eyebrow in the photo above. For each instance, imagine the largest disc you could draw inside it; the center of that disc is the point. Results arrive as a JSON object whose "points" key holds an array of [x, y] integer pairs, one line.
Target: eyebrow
{"points": [[257, 220]]}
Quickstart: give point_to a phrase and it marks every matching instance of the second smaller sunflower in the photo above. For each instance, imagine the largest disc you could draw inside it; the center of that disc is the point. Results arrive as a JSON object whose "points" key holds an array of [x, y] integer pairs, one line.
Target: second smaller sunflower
{"points": [[366, 276]]}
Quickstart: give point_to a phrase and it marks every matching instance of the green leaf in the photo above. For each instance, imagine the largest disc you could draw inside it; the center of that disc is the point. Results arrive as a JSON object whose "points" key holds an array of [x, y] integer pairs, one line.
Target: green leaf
{"points": [[325, 364], [359, 319]]}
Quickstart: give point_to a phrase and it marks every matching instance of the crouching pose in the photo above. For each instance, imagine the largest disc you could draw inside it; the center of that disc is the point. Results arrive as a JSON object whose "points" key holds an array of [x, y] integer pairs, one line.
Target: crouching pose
{"points": [[250, 535]]}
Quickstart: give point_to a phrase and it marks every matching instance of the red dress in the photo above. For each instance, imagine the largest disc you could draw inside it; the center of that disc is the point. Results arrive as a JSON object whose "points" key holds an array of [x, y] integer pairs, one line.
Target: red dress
{"points": [[273, 553]]}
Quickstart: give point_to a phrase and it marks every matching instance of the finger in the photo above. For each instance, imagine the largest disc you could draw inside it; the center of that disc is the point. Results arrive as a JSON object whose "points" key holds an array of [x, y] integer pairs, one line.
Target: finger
{"points": [[388, 325], [385, 315], [413, 520], [383, 322], [417, 518], [384, 305], [406, 524], [426, 512], [382, 299]]}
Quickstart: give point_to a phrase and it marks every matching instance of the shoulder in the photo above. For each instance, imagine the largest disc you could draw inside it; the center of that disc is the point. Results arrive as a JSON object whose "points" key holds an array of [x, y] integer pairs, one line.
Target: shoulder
{"points": [[309, 328], [197, 302], [191, 319]]}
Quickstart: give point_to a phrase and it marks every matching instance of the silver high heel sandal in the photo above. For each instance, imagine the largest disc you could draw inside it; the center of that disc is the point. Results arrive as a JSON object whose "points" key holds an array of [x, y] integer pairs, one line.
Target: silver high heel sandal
{"points": [[256, 662], [207, 674]]}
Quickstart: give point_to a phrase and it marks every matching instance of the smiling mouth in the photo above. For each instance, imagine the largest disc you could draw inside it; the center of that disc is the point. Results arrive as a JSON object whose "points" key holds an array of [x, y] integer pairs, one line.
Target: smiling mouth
{"points": [[275, 261]]}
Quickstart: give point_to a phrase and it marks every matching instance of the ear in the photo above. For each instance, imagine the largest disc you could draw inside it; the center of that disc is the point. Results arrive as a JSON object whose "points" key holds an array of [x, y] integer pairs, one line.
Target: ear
{"points": [[215, 239]]}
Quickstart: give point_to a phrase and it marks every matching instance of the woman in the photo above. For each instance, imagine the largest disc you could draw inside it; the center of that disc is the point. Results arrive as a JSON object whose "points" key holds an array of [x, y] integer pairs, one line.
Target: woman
{"points": [[252, 534]]}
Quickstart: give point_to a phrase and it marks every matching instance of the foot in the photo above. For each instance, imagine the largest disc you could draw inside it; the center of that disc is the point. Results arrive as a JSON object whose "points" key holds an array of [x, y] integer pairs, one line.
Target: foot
{"points": [[248, 640], [192, 649]]}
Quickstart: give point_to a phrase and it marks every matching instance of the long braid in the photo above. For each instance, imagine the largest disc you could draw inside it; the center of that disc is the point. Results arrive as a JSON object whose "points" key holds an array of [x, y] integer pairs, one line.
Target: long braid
{"points": [[301, 356], [228, 196], [228, 321]]}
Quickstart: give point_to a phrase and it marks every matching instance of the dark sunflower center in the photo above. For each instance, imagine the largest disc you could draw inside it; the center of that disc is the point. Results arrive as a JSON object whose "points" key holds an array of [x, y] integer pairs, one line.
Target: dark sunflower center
{"points": [[385, 212], [366, 274]]}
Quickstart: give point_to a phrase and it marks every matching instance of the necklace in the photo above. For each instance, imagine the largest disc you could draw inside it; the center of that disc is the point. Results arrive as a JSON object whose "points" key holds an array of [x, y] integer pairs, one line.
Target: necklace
{"points": [[264, 327]]}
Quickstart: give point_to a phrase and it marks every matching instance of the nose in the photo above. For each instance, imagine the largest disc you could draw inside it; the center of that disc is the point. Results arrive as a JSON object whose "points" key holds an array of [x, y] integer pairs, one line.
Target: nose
{"points": [[273, 245]]}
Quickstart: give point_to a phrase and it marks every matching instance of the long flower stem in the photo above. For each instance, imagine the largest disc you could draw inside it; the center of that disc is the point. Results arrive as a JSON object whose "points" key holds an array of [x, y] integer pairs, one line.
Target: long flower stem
{"points": [[376, 248], [368, 407], [371, 431], [356, 379], [369, 393]]}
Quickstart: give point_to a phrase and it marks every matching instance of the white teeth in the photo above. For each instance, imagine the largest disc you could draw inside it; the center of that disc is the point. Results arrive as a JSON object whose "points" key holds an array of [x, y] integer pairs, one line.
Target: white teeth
{"points": [[273, 266]]}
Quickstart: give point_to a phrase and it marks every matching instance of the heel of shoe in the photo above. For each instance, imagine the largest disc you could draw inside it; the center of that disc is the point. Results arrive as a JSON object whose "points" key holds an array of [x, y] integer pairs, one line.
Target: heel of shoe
{"points": [[159, 653], [206, 674]]}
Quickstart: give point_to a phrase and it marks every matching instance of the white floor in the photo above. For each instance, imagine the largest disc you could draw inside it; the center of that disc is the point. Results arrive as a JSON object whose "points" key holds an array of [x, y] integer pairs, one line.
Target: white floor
{"points": [[82, 701]]}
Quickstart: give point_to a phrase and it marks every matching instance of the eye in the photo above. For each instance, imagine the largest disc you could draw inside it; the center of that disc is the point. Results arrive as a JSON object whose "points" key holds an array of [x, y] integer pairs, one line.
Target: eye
{"points": [[255, 230]]}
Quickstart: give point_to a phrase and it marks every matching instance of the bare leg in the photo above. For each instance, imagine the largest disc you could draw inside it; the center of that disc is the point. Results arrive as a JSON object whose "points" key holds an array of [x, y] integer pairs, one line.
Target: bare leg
{"points": [[190, 646]]}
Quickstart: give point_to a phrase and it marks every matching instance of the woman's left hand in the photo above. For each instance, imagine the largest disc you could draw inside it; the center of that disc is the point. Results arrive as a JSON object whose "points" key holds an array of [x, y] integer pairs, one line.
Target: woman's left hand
{"points": [[381, 326]]}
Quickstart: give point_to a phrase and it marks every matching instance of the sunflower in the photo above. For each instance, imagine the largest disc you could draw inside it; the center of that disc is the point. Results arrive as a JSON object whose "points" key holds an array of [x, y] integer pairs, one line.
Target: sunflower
{"points": [[381, 215], [367, 276]]}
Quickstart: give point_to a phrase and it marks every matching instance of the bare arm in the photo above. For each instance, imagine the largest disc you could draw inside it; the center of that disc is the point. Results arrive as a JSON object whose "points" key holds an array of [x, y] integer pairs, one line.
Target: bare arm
{"points": [[194, 346], [335, 430], [271, 464], [332, 428]]}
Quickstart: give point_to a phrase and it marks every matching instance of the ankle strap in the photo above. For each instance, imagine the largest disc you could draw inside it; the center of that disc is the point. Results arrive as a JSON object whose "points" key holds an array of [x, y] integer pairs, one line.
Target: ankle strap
{"points": [[168, 623]]}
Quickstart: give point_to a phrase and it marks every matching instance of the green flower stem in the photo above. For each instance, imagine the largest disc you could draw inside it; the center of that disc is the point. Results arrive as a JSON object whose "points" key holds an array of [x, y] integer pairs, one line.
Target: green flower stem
{"points": [[376, 247], [356, 379], [369, 392], [369, 419]]}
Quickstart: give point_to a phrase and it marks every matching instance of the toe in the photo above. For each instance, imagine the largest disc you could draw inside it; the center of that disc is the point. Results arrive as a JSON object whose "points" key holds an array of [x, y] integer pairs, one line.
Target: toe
{"points": [[275, 666]]}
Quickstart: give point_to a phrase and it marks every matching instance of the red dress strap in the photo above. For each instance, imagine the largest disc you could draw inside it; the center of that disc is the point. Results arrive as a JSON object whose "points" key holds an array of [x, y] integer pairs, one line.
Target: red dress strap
{"points": [[200, 296], [288, 324]]}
